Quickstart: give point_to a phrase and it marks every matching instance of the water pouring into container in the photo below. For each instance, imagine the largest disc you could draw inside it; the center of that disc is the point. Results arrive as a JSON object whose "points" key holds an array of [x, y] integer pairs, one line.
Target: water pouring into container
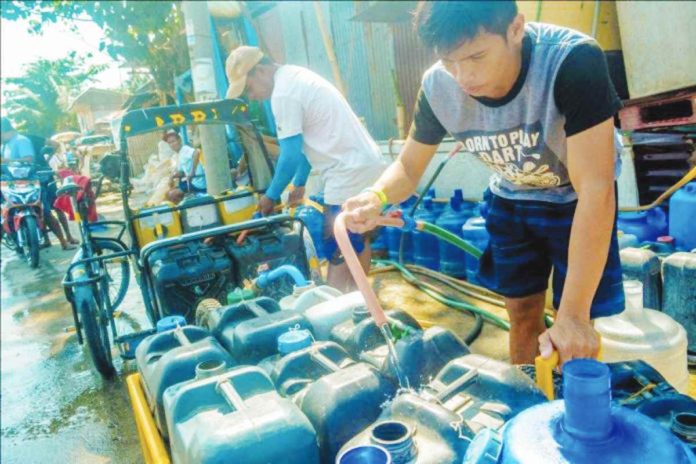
{"points": [[376, 311], [372, 303]]}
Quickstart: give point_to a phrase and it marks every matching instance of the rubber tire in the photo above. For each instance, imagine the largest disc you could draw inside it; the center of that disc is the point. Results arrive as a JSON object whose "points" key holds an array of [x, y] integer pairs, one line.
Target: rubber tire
{"points": [[94, 333], [31, 234], [114, 247]]}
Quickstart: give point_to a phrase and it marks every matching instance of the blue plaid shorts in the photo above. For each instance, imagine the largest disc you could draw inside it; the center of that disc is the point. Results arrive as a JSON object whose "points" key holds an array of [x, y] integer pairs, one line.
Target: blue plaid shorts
{"points": [[333, 254], [527, 240]]}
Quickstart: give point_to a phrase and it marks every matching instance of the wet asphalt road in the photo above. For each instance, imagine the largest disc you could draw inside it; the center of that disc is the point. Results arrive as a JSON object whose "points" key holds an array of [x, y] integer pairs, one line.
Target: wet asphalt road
{"points": [[54, 406]]}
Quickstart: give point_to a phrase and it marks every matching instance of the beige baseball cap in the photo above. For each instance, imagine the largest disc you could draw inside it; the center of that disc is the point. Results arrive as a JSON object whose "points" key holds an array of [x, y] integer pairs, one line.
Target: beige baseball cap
{"points": [[238, 64]]}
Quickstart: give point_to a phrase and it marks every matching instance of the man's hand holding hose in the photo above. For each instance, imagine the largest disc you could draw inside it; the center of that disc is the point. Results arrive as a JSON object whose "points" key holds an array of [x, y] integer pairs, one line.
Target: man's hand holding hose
{"points": [[362, 211], [396, 184]]}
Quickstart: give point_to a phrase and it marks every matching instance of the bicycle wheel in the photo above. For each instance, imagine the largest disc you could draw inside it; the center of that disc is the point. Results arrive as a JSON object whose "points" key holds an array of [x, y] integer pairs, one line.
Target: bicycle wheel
{"points": [[117, 270], [95, 327]]}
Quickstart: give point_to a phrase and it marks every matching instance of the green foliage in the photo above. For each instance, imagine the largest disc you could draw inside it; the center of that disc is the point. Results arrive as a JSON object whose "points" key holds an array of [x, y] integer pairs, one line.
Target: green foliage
{"points": [[144, 34], [36, 102]]}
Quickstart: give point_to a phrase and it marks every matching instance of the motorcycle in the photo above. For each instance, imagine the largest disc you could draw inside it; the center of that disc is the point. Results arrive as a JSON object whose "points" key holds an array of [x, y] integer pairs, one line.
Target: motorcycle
{"points": [[22, 210]]}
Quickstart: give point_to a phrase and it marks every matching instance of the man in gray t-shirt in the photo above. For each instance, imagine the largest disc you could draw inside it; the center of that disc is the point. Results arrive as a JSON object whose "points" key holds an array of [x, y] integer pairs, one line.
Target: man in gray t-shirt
{"points": [[534, 102]]}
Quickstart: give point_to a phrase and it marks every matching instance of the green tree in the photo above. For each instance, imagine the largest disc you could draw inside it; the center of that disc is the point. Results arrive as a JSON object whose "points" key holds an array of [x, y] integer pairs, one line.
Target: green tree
{"points": [[37, 100], [144, 34]]}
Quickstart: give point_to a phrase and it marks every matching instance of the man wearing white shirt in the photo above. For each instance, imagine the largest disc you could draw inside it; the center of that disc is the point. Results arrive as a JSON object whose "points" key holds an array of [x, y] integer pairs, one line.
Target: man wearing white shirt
{"points": [[317, 130]]}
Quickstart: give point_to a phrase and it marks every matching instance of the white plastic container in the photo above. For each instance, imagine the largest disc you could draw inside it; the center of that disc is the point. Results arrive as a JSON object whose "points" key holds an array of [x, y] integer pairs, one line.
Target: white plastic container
{"points": [[645, 334], [324, 316], [308, 296]]}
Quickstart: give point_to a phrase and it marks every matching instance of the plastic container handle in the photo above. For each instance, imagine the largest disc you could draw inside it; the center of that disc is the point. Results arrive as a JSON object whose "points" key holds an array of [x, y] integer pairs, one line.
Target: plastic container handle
{"points": [[313, 204], [544, 371], [657, 217]]}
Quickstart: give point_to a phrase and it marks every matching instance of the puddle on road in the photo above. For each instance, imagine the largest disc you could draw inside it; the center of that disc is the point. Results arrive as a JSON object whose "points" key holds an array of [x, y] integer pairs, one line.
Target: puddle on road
{"points": [[55, 408]]}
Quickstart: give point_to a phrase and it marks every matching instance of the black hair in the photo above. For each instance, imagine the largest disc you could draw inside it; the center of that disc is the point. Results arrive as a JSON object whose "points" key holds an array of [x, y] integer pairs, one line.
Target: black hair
{"points": [[169, 132], [443, 25]]}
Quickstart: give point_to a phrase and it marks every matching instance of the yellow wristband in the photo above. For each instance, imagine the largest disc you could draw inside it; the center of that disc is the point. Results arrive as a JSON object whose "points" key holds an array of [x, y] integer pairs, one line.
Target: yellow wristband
{"points": [[380, 194]]}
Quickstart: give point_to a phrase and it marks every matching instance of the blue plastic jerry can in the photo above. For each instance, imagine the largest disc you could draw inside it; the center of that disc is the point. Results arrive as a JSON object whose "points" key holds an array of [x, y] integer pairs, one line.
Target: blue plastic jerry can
{"points": [[425, 246]]}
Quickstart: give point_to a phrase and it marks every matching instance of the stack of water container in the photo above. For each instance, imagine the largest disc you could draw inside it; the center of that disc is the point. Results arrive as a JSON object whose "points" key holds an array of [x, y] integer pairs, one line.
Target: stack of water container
{"points": [[659, 250], [457, 216], [263, 381], [453, 219], [308, 380]]}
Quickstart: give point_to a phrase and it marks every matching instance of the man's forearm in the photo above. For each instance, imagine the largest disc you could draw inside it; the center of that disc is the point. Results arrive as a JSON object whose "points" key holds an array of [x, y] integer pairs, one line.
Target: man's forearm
{"points": [[302, 172], [289, 159], [396, 183], [401, 178], [590, 237]]}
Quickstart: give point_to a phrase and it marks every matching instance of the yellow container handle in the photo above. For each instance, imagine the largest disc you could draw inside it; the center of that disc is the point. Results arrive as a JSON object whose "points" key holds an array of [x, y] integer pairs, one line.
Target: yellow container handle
{"points": [[313, 204], [544, 371]]}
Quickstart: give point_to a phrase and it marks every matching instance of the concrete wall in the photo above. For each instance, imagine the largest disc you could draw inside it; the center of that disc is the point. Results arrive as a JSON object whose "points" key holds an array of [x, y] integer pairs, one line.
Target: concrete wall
{"points": [[659, 45]]}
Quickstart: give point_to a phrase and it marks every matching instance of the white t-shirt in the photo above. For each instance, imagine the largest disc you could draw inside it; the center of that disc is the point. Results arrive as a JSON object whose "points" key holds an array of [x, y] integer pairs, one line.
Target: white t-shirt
{"points": [[336, 144], [186, 163]]}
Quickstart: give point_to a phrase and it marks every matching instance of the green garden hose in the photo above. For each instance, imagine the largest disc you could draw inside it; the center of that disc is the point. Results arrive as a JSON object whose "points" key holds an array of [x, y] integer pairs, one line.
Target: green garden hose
{"points": [[433, 292]]}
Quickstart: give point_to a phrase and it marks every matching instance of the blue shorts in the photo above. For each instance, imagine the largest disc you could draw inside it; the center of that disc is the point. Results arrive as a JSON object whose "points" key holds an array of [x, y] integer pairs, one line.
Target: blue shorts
{"points": [[527, 240], [333, 254]]}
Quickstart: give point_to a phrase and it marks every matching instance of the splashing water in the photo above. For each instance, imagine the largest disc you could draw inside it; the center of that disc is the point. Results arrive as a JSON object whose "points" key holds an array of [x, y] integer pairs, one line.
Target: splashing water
{"points": [[393, 359]]}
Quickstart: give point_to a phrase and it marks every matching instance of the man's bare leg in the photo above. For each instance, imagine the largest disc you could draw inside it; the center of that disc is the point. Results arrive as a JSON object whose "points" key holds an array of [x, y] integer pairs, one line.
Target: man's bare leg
{"points": [[52, 223], [526, 324], [338, 275], [63, 219]]}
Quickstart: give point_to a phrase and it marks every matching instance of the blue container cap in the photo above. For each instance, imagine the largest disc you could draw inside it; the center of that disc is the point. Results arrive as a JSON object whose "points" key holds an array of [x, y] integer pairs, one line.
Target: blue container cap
{"points": [[170, 323], [294, 340], [428, 202], [365, 454]]}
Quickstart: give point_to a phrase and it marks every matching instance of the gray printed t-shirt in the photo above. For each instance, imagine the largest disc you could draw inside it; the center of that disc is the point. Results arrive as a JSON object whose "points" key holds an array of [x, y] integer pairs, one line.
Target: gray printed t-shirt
{"points": [[563, 89]]}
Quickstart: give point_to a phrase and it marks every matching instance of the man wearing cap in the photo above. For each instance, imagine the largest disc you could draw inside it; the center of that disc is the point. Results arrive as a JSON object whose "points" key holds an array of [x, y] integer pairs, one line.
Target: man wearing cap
{"points": [[316, 129]]}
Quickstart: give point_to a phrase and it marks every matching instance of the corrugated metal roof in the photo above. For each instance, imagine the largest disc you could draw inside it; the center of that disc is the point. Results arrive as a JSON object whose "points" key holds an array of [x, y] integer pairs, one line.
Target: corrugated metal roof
{"points": [[393, 11], [349, 45], [381, 69]]}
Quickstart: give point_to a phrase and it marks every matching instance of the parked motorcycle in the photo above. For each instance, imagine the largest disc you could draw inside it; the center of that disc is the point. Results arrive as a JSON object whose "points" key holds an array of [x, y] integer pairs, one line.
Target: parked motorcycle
{"points": [[22, 210]]}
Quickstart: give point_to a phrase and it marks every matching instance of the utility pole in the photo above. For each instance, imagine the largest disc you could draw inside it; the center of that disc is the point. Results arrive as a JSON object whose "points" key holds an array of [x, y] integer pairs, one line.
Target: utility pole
{"points": [[212, 137]]}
